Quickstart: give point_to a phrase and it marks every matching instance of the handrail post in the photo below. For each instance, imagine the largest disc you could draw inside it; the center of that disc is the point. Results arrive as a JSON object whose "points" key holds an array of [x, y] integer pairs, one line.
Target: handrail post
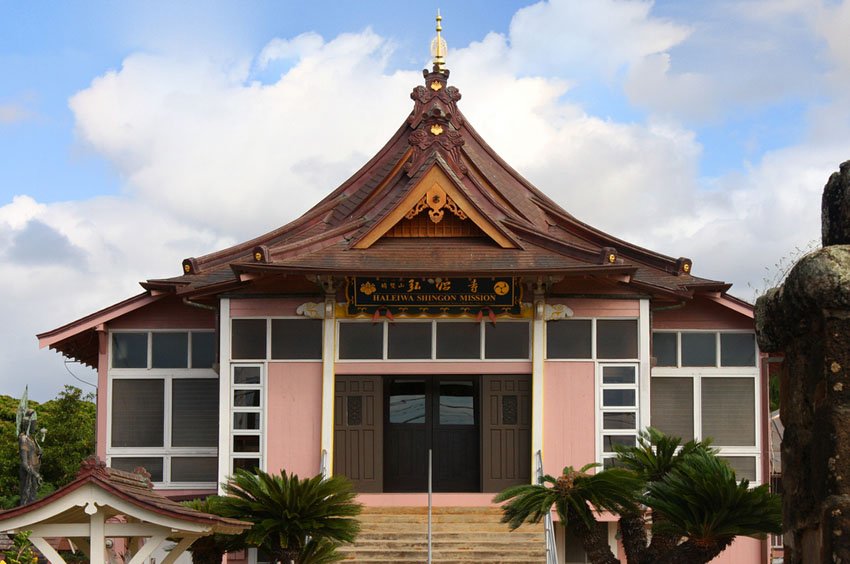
{"points": [[430, 505], [325, 470], [548, 524]]}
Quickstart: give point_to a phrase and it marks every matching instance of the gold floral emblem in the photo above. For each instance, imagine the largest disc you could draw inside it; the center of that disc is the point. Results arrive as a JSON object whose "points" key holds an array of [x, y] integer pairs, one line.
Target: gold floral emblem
{"points": [[612, 258], [686, 267], [437, 129], [501, 287], [436, 86], [367, 288], [258, 256], [187, 268]]}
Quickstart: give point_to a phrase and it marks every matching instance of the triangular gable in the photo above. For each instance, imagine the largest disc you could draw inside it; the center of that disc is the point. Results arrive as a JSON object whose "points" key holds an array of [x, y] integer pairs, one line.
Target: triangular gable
{"points": [[436, 196]]}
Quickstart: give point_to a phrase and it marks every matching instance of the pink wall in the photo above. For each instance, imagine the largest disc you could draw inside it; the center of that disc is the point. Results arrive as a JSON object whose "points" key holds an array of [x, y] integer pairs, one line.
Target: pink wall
{"points": [[294, 435], [569, 435], [262, 307], [700, 314], [600, 308], [166, 314], [743, 551]]}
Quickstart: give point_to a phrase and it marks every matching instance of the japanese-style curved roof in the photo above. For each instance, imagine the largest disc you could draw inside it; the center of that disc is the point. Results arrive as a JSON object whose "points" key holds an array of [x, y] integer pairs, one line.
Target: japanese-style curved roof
{"points": [[435, 199], [490, 219]]}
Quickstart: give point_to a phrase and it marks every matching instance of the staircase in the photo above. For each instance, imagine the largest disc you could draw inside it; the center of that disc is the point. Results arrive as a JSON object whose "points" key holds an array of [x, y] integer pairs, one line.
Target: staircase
{"points": [[399, 535]]}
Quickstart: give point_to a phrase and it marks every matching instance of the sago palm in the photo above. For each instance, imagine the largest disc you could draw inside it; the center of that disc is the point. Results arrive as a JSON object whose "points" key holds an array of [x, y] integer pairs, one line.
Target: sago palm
{"points": [[703, 503], [575, 494], [295, 520], [653, 458]]}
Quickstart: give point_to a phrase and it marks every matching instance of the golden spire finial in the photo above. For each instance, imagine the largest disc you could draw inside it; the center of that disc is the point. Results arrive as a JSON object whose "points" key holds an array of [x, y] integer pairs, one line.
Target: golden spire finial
{"points": [[439, 46]]}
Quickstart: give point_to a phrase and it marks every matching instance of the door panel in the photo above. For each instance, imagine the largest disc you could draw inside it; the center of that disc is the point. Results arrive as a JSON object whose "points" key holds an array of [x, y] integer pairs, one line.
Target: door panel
{"points": [[358, 431], [506, 431], [440, 413]]}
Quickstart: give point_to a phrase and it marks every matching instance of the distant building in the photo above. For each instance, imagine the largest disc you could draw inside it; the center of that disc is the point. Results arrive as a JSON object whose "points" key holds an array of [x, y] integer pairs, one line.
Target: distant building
{"points": [[435, 300]]}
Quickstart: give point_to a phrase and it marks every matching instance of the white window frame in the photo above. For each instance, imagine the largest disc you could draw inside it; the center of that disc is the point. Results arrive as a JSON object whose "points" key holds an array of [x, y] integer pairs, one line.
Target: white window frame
{"points": [[601, 409], [167, 376], [698, 373], [262, 410], [385, 336]]}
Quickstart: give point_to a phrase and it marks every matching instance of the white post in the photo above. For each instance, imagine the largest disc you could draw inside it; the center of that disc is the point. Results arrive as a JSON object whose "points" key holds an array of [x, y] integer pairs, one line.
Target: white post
{"points": [[97, 535], [537, 351], [644, 340], [224, 393], [328, 376]]}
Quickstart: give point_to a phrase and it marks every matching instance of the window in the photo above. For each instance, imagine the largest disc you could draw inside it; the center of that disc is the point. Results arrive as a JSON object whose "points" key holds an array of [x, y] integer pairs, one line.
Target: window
{"points": [[569, 338], [434, 340], [246, 449], [276, 339], [163, 411], [705, 385], [592, 339], [618, 410]]}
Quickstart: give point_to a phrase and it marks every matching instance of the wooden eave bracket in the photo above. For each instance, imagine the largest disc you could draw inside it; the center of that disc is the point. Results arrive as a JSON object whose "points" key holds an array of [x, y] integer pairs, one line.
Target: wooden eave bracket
{"points": [[435, 177]]}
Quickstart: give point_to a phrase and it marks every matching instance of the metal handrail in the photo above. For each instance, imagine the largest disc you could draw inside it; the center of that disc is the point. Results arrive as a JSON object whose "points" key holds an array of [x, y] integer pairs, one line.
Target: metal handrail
{"points": [[325, 469], [548, 525], [430, 504]]}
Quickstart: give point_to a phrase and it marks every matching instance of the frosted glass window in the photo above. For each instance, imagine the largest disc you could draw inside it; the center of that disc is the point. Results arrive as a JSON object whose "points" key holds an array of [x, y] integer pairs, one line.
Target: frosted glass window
{"points": [[699, 349], [737, 349], [297, 339], [249, 338], [506, 340], [616, 338], [194, 412], [203, 350], [618, 398], [170, 350], [744, 466], [618, 375], [138, 409], [569, 338], [129, 350], [458, 340], [664, 349], [614, 421], [153, 465], [194, 469], [672, 411], [409, 340], [361, 340], [728, 411]]}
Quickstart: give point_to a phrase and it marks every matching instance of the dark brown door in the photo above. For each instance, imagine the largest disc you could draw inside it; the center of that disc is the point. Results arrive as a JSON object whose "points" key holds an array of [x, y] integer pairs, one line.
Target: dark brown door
{"points": [[358, 431], [506, 431], [440, 413]]}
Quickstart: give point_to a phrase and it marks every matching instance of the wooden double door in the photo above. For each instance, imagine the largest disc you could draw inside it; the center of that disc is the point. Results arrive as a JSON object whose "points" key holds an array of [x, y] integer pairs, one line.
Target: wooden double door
{"points": [[476, 427]]}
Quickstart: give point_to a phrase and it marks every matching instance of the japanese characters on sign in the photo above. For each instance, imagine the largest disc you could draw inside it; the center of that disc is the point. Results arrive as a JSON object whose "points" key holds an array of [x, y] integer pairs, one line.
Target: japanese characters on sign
{"points": [[438, 295]]}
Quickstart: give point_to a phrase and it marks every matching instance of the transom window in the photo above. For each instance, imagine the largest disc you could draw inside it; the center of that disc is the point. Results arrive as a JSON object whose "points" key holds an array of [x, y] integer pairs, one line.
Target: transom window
{"points": [[704, 349], [276, 339], [163, 349], [589, 339], [434, 340]]}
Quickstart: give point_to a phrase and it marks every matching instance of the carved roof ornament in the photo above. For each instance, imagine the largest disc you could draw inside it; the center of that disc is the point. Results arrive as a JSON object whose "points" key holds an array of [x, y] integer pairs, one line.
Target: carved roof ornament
{"points": [[436, 199], [439, 48]]}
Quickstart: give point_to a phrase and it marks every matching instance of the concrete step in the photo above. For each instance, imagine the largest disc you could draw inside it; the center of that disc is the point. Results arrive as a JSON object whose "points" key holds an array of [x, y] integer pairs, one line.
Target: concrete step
{"points": [[398, 535]]}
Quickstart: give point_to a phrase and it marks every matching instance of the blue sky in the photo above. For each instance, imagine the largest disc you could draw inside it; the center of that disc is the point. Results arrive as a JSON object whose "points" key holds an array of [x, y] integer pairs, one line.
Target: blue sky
{"points": [[135, 134]]}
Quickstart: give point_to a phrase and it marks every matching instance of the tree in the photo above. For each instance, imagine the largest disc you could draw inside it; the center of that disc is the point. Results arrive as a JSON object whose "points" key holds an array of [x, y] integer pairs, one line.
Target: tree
{"points": [[295, 520], [691, 498], [70, 423]]}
